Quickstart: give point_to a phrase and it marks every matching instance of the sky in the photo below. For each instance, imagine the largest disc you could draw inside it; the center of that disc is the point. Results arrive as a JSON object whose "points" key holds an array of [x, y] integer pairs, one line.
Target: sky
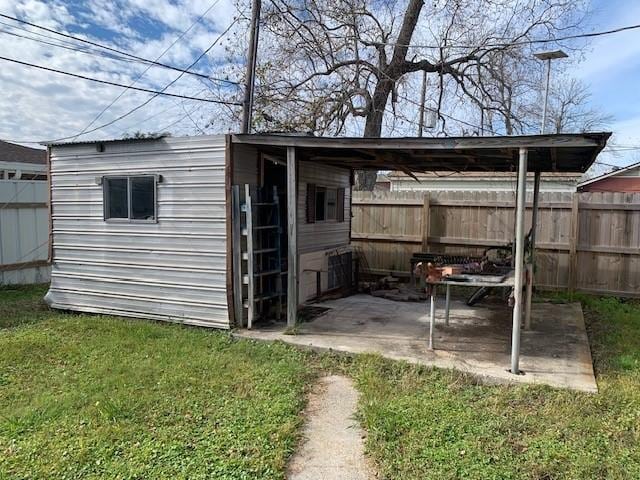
{"points": [[38, 105]]}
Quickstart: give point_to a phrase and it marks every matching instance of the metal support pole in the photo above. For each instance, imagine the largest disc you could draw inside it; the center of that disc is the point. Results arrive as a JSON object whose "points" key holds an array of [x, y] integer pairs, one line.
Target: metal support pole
{"points": [[519, 261], [292, 235], [546, 97], [447, 305], [423, 96], [432, 314], [252, 59]]}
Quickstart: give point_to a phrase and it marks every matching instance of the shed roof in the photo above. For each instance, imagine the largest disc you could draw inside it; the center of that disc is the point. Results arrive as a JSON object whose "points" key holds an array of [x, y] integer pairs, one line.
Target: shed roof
{"points": [[547, 153], [11, 152]]}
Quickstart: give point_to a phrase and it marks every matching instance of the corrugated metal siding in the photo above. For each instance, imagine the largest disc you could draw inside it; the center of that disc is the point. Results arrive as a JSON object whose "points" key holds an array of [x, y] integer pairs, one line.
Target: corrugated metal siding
{"points": [[174, 269], [24, 230], [313, 237]]}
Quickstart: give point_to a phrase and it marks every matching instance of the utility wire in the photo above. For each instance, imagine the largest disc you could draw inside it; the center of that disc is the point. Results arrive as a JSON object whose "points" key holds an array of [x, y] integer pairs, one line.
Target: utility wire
{"points": [[94, 53], [135, 80], [122, 52], [115, 84], [161, 92], [505, 44]]}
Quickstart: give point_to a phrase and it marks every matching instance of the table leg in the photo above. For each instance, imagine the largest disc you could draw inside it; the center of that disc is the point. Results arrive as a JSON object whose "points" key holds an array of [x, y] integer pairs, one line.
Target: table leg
{"points": [[432, 315], [447, 305]]}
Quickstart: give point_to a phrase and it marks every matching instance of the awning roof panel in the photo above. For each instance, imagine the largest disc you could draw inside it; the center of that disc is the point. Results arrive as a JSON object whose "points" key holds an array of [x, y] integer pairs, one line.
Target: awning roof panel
{"points": [[547, 153]]}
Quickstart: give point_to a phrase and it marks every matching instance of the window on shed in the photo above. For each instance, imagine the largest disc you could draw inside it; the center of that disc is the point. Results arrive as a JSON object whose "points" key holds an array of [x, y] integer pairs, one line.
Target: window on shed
{"points": [[332, 195], [130, 198], [321, 207], [116, 198], [324, 203]]}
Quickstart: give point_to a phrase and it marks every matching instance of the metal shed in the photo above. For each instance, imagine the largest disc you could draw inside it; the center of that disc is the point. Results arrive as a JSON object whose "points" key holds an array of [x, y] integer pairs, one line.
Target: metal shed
{"points": [[187, 261]]}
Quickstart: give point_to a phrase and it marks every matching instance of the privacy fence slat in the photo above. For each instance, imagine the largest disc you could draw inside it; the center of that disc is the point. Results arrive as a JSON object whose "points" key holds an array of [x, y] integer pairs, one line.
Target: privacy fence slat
{"points": [[24, 232], [586, 241]]}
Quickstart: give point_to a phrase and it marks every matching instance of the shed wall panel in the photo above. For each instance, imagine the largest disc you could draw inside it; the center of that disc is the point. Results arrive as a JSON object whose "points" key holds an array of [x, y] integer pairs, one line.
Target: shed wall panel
{"points": [[174, 269], [319, 236]]}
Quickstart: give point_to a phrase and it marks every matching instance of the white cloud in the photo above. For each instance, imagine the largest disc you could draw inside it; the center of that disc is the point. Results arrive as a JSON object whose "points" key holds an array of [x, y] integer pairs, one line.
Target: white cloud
{"points": [[43, 105]]}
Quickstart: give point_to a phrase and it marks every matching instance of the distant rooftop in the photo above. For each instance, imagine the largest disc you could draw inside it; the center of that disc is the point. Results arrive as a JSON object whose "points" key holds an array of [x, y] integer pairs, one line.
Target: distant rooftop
{"points": [[11, 152]]}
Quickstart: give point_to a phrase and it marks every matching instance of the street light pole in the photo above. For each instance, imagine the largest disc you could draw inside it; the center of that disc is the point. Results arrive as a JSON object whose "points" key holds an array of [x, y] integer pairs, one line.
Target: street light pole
{"points": [[548, 56]]}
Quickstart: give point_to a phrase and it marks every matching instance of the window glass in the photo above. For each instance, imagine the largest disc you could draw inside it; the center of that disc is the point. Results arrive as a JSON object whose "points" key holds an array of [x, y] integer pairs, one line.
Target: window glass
{"points": [[321, 194], [331, 203], [116, 193], [142, 198]]}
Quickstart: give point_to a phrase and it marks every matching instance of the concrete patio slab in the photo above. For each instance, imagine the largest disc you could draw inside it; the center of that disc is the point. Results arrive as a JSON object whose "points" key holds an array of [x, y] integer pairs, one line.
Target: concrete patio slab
{"points": [[477, 340]]}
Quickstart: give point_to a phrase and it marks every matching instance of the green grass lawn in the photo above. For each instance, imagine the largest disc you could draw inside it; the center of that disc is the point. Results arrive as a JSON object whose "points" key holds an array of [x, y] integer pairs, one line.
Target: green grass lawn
{"points": [[87, 396]]}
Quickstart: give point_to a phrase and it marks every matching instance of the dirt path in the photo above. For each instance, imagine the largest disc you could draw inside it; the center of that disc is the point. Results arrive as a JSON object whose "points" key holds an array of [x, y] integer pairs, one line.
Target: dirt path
{"points": [[333, 445]]}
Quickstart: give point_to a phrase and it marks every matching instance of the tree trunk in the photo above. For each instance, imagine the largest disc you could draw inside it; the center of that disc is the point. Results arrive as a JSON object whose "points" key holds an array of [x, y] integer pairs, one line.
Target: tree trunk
{"points": [[366, 179], [389, 74]]}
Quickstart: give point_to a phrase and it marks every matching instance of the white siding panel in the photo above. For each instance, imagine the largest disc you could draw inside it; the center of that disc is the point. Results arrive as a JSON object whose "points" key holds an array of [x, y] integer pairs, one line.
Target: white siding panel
{"points": [[172, 270], [313, 237]]}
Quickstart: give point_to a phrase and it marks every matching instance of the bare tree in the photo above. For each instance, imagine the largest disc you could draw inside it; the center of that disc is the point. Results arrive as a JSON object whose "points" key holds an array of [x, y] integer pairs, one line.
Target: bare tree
{"points": [[343, 66], [569, 109]]}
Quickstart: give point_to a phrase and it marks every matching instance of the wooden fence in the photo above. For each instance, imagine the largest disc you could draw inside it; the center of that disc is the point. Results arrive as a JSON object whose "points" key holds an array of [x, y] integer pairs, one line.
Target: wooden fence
{"points": [[585, 241], [24, 232]]}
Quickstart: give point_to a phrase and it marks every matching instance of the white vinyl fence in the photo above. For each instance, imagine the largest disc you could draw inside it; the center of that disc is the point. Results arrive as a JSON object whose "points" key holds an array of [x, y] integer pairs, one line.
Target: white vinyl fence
{"points": [[24, 232]]}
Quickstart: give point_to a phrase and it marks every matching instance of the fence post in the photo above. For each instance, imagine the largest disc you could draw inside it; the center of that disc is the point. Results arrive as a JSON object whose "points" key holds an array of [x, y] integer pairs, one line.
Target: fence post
{"points": [[426, 219], [573, 244]]}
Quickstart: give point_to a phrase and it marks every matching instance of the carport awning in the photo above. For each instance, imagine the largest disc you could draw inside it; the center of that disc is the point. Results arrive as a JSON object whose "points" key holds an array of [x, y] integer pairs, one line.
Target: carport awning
{"points": [[546, 153]]}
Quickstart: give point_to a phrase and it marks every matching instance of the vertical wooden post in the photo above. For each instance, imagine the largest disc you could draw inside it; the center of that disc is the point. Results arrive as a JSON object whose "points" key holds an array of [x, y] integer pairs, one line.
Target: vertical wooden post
{"points": [[519, 260], [573, 244], [426, 219], [292, 235]]}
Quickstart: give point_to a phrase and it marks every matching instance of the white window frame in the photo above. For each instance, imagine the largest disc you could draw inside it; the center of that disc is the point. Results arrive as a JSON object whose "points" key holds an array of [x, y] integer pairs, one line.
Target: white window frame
{"points": [[326, 204], [128, 178]]}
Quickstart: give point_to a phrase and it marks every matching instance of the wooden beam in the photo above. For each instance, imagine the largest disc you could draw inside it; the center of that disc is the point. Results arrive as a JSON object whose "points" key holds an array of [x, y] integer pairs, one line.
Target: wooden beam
{"points": [[292, 235], [435, 202], [22, 265]]}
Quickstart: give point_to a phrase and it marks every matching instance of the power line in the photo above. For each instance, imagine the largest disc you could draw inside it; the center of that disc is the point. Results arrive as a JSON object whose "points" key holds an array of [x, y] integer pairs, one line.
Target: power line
{"points": [[154, 115], [122, 52], [503, 44], [115, 84], [68, 46], [161, 92], [95, 119]]}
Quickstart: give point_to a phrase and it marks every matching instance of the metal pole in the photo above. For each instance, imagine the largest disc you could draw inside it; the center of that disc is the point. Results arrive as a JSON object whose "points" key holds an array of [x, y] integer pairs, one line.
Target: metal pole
{"points": [[423, 96], [432, 315], [519, 261], [447, 305], [252, 58], [546, 97]]}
